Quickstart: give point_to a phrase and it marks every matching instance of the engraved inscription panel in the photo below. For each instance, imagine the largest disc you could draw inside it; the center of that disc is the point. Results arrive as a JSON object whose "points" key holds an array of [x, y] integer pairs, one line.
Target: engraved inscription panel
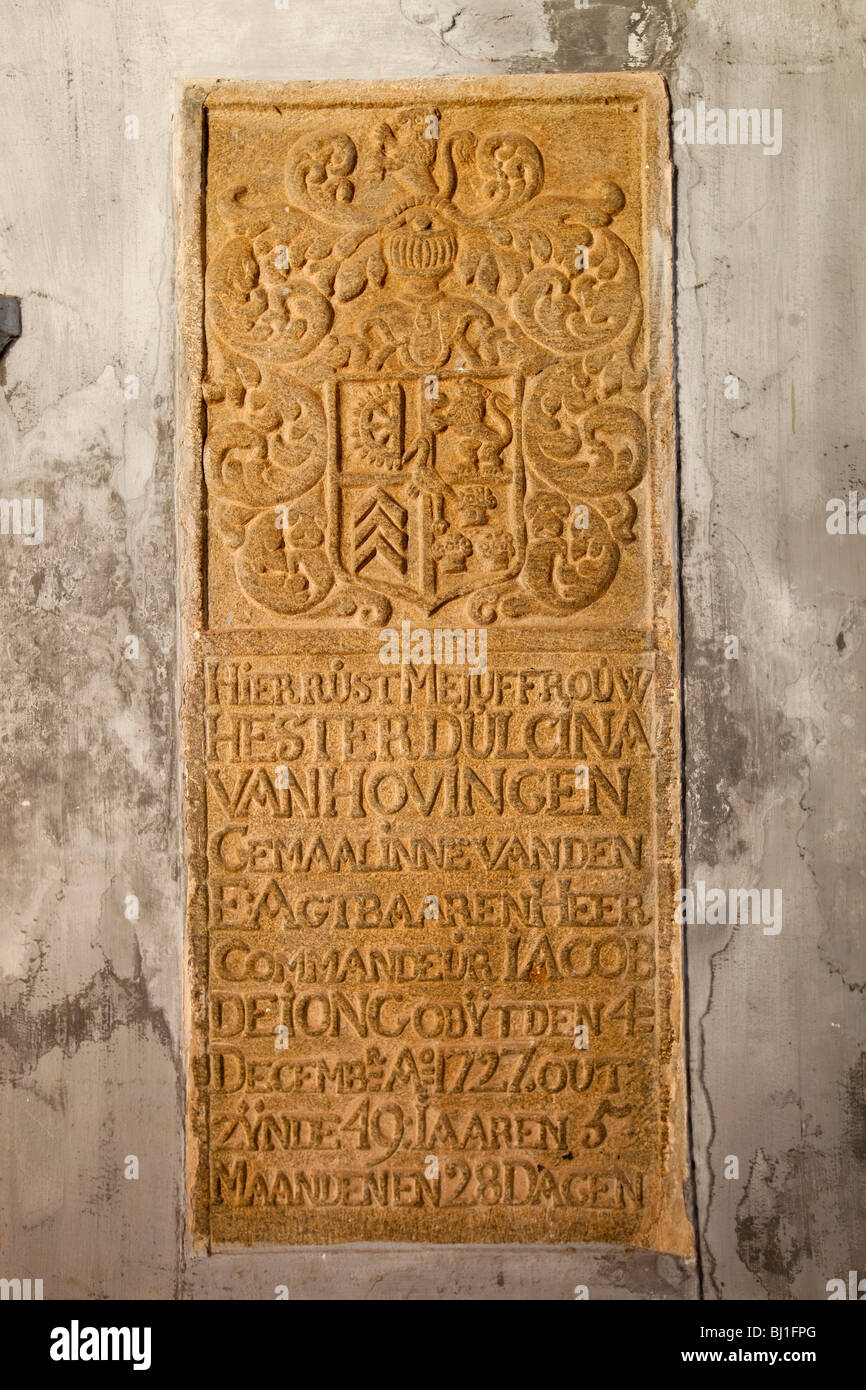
{"points": [[430, 703]]}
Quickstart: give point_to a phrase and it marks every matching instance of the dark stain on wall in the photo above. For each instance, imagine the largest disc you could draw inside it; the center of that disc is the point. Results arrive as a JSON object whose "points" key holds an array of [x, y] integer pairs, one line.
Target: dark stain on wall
{"points": [[773, 1226], [105, 1004]]}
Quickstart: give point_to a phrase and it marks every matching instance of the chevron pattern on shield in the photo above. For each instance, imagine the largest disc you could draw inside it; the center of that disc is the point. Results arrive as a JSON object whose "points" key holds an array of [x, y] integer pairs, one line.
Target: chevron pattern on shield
{"points": [[380, 531]]}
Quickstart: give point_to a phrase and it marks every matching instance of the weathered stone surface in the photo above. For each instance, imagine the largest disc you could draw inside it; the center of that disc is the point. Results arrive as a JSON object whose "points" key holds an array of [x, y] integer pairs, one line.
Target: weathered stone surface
{"points": [[430, 695]]}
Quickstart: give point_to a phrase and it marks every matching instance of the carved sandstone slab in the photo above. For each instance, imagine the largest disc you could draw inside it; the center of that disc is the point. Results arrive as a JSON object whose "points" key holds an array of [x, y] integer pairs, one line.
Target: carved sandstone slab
{"points": [[430, 701]]}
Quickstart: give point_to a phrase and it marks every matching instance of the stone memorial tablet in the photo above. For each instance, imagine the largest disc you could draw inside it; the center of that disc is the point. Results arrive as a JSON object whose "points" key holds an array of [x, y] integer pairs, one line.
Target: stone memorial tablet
{"points": [[430, 701]]}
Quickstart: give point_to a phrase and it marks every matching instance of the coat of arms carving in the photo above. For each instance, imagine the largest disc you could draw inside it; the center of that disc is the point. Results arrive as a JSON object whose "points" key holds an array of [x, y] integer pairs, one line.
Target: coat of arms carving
{"points": [[425, 379]]}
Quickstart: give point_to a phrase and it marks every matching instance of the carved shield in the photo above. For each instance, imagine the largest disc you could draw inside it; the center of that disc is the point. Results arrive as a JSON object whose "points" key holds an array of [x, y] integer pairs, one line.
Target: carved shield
{"points": [[425, 479]]}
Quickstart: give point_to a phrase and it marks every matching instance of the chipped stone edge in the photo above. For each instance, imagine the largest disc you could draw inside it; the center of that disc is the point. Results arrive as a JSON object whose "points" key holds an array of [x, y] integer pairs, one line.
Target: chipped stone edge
{"points": [[191, 539], [672, 1232]]}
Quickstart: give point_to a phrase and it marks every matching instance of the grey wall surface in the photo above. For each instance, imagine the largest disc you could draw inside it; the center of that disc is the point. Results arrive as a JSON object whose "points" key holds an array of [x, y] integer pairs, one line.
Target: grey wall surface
{"points": [[770, 290]]}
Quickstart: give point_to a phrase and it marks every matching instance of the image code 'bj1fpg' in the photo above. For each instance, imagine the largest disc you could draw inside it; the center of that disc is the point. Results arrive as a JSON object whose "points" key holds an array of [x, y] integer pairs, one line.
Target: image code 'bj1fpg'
{"points": [[430, 698]]}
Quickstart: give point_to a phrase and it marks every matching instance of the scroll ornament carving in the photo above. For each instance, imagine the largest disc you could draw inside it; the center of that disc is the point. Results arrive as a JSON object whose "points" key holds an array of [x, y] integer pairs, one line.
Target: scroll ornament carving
{"points": [[425, 379]]}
